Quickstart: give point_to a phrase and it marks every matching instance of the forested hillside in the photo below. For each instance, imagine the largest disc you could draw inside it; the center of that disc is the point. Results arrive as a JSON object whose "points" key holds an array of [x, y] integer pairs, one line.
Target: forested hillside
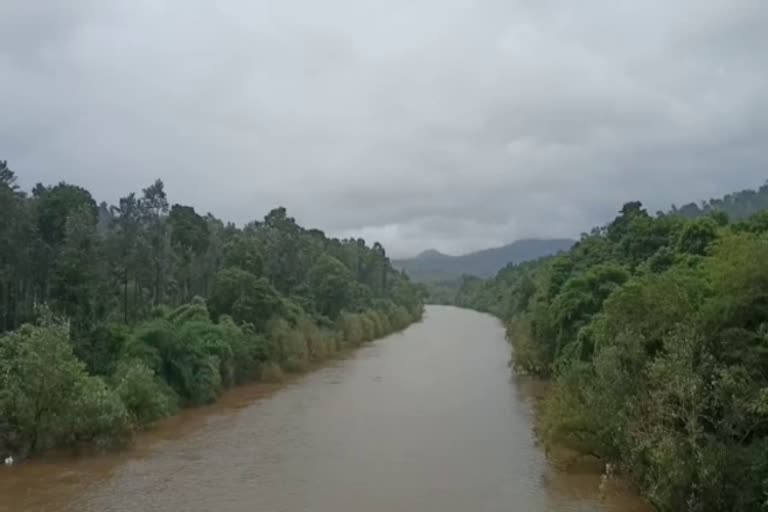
{"points": [[116, 315], [655, 331], [739, 205], [432, 266]]}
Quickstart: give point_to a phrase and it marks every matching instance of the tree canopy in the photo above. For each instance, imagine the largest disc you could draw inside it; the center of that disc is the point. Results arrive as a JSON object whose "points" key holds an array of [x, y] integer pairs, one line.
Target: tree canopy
{"points": [[111, 316], [655, 331]]}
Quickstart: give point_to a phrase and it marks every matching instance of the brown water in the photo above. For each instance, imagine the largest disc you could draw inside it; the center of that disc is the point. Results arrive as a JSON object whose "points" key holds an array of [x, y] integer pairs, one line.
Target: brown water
{"points": [[426, 420]]}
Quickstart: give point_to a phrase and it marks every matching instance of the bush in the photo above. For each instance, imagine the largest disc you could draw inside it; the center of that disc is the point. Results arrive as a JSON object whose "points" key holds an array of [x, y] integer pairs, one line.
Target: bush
{"points": [[271, 372], [293, 349], [178, 356], [100, 347], [46, 396], [152, 343], [202, 379], [146, 398], [368, 328], [525, 358], [98, 414], [189, 358], [378, 326], [331, 342], [400, 318], [352, 328], [211, 339], [314, 337], [249, 349], [194, 311], [386, 325]]}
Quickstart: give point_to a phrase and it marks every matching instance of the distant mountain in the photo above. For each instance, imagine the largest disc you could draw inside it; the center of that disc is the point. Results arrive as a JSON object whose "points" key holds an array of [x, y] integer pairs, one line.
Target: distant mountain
{"points": [[431, 253], [432, 265]]}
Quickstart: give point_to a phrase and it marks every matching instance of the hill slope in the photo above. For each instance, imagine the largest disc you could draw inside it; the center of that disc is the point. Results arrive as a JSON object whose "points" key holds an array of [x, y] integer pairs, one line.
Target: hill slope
{"points": [[431, 265], [738, 206]]}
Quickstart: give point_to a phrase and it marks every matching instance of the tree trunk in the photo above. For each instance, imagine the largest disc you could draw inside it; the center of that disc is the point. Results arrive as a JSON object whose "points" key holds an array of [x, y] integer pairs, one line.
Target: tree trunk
{"points": [[5, 310], [125, 296], [156, 298], [136, 302]]}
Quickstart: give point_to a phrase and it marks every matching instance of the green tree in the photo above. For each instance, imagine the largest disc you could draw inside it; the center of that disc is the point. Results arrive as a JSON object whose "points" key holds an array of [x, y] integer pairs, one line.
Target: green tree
{"points": [[330, 284], [124, 247], [55, 205], [19, 244], [697, 236], [146, 397], [244, 297], [190, 239], [74, 277], [46, 394], [154, 207], [165, 305]]}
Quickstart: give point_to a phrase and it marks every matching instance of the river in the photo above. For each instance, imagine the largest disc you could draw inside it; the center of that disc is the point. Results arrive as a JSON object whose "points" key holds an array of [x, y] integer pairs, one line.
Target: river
{"points": [[430, 419]]}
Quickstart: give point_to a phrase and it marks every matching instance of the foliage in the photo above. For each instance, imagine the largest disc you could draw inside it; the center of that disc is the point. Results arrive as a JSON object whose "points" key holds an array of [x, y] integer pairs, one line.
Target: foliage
{"points": [[46, 395], [655, 331], [330, 285], [737, 206], [146, 397], [166, 305], [243, 296]]}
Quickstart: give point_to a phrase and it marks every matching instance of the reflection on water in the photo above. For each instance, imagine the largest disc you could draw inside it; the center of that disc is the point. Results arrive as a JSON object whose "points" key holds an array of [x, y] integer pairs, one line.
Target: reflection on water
{"points": [[426, 420]]}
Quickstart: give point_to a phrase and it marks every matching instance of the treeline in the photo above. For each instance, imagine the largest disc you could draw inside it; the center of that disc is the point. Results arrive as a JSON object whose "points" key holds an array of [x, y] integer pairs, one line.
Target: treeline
{"points": [[655, 331], [738, 206], [444, 292], [114, 316]]}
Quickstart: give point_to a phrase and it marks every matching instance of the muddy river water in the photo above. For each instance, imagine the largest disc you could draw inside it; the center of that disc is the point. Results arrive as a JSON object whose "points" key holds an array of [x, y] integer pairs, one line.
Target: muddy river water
{"points": [[429, 419]]}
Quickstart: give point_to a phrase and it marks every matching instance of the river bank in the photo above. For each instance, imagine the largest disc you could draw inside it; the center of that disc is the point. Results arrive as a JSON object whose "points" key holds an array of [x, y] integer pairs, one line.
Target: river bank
{"points": [[570, 461], [426, 419], [178, 360]]}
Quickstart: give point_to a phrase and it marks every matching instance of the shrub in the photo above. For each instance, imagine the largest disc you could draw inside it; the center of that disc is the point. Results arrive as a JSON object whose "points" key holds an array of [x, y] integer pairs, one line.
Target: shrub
{"points": [[195, 311], [292, 345], [100, 347], [314, 337], [146, 397], [352, 329], [202, 380], [46, 396], [400, 318], [188, 358], [368, 328], [526, 357], [97, 413], [271, 372]]}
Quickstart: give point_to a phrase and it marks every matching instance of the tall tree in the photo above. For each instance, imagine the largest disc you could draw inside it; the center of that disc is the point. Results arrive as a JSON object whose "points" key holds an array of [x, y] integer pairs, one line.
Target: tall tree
{"points": [[154, 207], [125, 245], [74, 278]]}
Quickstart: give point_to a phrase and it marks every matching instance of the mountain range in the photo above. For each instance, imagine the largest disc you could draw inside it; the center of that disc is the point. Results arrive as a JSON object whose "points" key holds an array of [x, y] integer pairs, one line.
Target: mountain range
{"points": [[434, 266]]}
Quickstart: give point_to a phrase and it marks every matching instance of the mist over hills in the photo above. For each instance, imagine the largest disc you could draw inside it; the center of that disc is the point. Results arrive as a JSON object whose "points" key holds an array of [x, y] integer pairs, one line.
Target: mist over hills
{"points": [[432, 265]]}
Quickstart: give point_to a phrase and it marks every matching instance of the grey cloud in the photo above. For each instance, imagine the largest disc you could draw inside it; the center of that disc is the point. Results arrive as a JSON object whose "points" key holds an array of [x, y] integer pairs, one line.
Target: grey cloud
{"points": [[454, 124]]}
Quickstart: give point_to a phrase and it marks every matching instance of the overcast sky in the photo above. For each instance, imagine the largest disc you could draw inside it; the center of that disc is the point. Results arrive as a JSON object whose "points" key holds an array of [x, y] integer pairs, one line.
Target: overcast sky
{"points": [[453, 124]]}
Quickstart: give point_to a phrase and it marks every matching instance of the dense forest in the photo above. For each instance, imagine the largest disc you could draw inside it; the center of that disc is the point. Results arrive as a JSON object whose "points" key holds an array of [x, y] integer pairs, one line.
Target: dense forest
{"points": [[655, 332], [111, 317]]}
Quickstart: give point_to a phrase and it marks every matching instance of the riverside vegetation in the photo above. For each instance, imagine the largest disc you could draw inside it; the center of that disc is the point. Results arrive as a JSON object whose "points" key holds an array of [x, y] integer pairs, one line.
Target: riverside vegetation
{"points": [[111, 317], [655, 332]]}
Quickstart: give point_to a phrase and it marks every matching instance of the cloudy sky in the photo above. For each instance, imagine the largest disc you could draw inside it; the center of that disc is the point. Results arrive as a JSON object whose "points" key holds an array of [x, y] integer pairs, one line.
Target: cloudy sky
{"points": [[453, 124]]}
